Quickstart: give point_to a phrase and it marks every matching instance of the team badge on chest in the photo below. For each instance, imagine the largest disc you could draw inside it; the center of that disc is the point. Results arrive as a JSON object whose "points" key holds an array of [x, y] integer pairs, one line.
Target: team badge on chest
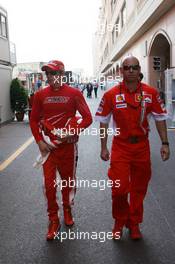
{"points": [[120, 98]]}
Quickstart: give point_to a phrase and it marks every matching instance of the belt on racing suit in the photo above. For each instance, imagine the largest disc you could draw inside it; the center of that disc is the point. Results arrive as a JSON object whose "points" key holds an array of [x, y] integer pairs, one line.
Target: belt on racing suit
{"points": [[133, 139]]}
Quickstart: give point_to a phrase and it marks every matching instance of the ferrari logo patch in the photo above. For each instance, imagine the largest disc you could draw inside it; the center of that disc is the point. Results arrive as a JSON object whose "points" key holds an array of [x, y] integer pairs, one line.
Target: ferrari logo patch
{"points": [[147, 98], [138, 97]]}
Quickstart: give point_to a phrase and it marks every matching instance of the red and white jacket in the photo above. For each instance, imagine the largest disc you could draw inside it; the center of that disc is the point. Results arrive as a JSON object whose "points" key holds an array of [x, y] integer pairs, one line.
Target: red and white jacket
{"points": [[57, 107], [131, 110]]}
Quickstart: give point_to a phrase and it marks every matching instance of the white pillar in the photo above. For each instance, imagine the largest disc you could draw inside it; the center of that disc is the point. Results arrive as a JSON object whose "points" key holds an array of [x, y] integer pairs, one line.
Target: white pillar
{"points": [[173, 56]]}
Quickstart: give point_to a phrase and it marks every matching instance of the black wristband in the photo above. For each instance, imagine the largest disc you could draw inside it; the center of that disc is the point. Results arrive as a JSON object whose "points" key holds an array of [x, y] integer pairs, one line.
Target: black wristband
{"points": [[165, 143]]}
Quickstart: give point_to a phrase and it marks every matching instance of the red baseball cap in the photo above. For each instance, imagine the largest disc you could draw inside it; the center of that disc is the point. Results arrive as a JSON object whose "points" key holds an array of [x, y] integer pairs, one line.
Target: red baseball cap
{"points": [[54, 65]]}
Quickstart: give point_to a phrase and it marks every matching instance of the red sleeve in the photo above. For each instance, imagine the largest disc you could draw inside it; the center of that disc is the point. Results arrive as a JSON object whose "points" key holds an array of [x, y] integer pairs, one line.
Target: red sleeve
{"points": [[104, 110], [36, 117], [83, 109], [158, 110]]}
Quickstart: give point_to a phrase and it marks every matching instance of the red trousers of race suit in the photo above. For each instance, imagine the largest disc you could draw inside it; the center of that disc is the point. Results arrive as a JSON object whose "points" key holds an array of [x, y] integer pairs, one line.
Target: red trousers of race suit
{"points": [[64, 160], [130, 163]]}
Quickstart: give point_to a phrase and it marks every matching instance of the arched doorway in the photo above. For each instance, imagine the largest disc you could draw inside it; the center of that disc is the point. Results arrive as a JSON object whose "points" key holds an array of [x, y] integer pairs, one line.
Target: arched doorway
{"points": [[159, 61]]}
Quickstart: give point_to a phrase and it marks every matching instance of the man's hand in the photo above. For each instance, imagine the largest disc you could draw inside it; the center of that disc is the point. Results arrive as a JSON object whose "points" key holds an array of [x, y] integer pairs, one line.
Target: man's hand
{"points": [[69, 138], [165, 152], [72, 139], [162, 130], [44, 148], [105, 154]]}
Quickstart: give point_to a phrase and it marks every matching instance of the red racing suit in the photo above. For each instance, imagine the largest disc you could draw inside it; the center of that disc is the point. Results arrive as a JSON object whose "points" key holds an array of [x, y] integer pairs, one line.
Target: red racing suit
{"points": [[57, 106], [130, 156]]}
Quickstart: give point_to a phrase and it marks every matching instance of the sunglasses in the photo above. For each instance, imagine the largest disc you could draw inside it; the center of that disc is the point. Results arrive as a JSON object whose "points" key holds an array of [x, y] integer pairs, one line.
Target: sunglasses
{"points": [[54, 72], [135, 67]]}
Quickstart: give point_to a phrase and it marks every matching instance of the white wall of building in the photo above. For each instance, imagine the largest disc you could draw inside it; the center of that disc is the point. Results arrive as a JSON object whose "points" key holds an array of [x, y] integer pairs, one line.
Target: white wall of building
{"points": [[5, 74], [144, 19], [5, 80], [165, 25]]}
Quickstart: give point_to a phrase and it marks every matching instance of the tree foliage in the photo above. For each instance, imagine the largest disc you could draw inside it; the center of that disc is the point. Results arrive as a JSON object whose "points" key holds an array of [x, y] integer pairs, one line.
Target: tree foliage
{"points": [[18, 96]]}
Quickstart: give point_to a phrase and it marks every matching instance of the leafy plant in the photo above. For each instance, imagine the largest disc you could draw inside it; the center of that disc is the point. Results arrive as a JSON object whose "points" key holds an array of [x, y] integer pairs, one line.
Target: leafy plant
{"points": [[18, 96]]}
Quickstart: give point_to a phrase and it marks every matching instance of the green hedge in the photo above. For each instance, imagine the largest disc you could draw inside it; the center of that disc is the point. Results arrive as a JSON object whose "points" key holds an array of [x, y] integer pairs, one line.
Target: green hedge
{"points": [[18, 96]]}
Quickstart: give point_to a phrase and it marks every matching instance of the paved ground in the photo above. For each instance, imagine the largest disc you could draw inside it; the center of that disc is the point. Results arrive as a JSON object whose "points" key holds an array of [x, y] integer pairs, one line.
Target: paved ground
{"points": [[23, 220]]}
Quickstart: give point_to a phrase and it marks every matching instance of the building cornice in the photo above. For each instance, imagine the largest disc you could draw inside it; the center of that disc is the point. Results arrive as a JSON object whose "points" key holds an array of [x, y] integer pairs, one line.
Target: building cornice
{"points": [[143, 18], [143, 21]]}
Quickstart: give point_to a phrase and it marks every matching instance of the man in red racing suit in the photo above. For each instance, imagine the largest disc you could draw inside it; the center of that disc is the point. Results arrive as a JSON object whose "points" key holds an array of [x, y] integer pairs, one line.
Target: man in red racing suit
{"points": [[55, 105], [131, 103]]}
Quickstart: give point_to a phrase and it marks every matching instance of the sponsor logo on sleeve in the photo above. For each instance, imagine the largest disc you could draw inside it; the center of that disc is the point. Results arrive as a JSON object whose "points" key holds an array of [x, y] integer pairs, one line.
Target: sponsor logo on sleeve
{"points": [[100, 109], [102, 102]]}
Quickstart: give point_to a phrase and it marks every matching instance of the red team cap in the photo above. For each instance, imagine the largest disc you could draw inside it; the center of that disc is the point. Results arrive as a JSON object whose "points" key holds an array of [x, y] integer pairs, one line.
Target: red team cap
{"points": [[54, 65]]}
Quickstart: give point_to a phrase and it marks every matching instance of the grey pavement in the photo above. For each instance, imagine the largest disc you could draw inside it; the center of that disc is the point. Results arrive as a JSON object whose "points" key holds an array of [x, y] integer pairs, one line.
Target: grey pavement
{"points": [[23, 219]]}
